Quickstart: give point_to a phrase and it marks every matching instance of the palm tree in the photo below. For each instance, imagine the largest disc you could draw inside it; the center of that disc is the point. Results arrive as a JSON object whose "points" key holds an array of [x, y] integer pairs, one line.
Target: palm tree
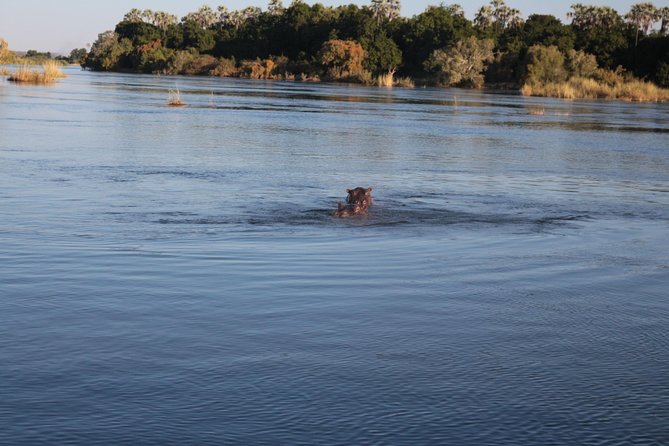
{"points": [[205, 16], [642, 16], [386, 9], [223, 15], [148, 16], [251, 13], [588, 17], [484, 17], [499, 15], [134, 15], [235, 18], [275, 7], [163, 19], [455, 9], [663, 14]]}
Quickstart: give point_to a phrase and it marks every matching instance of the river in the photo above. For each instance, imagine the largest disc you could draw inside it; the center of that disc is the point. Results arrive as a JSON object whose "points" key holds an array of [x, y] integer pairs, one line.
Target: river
{"points": [[173, 275]]}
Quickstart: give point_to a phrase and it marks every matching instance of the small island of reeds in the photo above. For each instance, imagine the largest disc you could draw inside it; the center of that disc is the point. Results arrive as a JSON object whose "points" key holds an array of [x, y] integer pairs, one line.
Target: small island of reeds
{"points": [[49, 73]]}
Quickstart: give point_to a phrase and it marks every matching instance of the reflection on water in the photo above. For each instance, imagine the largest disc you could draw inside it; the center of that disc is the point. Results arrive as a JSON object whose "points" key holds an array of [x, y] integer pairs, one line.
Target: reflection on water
{"points": [[173, 276]]}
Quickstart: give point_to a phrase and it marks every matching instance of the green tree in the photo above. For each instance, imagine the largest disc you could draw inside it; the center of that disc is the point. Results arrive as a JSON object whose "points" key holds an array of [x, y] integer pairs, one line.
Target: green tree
{"points": [[547, 30], [139, 33], [433, 29], [106, 52], [150, 58], [77, 55], [662, 75], [383, 54], [197, 37], [545, 64], [464, 63]]}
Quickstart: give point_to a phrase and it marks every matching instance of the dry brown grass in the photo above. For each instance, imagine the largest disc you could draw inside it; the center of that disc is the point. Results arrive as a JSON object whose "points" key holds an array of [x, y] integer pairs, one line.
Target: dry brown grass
{"points": [[50, 73], [405, 82], [389, 80], [584, 88], [385, 80]]}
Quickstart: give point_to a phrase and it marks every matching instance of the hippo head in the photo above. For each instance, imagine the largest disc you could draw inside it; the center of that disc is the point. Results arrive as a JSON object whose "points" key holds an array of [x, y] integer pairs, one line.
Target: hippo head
{"points": [[348, 210], [360, 196], [357, 202]]}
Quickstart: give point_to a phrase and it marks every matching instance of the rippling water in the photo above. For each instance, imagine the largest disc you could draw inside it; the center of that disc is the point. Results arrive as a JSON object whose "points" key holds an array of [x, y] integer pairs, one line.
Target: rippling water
{"points": [[172, 275]]}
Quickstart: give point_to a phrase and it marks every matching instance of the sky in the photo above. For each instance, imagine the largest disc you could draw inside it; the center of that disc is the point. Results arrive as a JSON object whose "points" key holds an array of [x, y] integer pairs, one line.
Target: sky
{"points": [[59, 26]]}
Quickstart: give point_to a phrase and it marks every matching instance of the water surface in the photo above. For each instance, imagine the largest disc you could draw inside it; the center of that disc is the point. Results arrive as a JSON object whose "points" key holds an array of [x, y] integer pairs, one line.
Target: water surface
{"points": [[172, 275]]}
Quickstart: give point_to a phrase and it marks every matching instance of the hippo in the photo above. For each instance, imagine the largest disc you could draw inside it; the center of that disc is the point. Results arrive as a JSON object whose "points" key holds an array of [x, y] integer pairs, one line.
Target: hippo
{"points": [[358, 201]]}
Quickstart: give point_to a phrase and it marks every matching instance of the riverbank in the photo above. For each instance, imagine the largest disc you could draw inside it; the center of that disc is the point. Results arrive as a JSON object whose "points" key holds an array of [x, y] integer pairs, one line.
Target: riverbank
{"points": [[610, 85]]}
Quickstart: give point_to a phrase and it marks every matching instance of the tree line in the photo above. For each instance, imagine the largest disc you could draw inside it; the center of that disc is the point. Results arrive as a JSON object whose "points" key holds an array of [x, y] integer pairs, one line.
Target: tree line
{"points": [[358, 43]]}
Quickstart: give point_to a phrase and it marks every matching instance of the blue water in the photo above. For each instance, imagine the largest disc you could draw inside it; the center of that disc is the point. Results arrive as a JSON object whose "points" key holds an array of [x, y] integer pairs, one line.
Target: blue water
{"points": [[173, 276]]}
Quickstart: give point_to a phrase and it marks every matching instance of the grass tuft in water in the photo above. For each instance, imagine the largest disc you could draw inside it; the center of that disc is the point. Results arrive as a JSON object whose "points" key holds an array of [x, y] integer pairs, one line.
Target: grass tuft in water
{"points": [[174, 98], [50, 73]]}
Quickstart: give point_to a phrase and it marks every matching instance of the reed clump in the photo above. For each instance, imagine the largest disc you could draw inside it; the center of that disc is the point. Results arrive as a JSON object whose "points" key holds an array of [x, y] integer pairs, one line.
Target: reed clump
{"points": [[49, 74], [404, 82], [389, 80], [174, 98], [385, 80], [633, 90]]}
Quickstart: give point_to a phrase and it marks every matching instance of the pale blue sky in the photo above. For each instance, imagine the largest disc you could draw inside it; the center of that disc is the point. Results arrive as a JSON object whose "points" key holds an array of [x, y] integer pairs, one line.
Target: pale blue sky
{"points": [[61, 25]]}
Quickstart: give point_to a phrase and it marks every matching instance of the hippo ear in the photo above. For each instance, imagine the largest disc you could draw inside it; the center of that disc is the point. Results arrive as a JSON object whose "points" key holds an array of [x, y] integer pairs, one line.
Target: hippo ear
{"points": [[348, 191], [369, 190]]}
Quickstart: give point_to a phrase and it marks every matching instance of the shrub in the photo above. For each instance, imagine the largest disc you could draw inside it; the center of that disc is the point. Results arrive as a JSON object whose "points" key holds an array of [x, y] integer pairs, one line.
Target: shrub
{"points": [[544, 64], [202, 64], [662, 74], [225, 68], [152, 57], [609, 77], [343, 59], [463, 63], [581, 64], [179, 61], [258, 69]]}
